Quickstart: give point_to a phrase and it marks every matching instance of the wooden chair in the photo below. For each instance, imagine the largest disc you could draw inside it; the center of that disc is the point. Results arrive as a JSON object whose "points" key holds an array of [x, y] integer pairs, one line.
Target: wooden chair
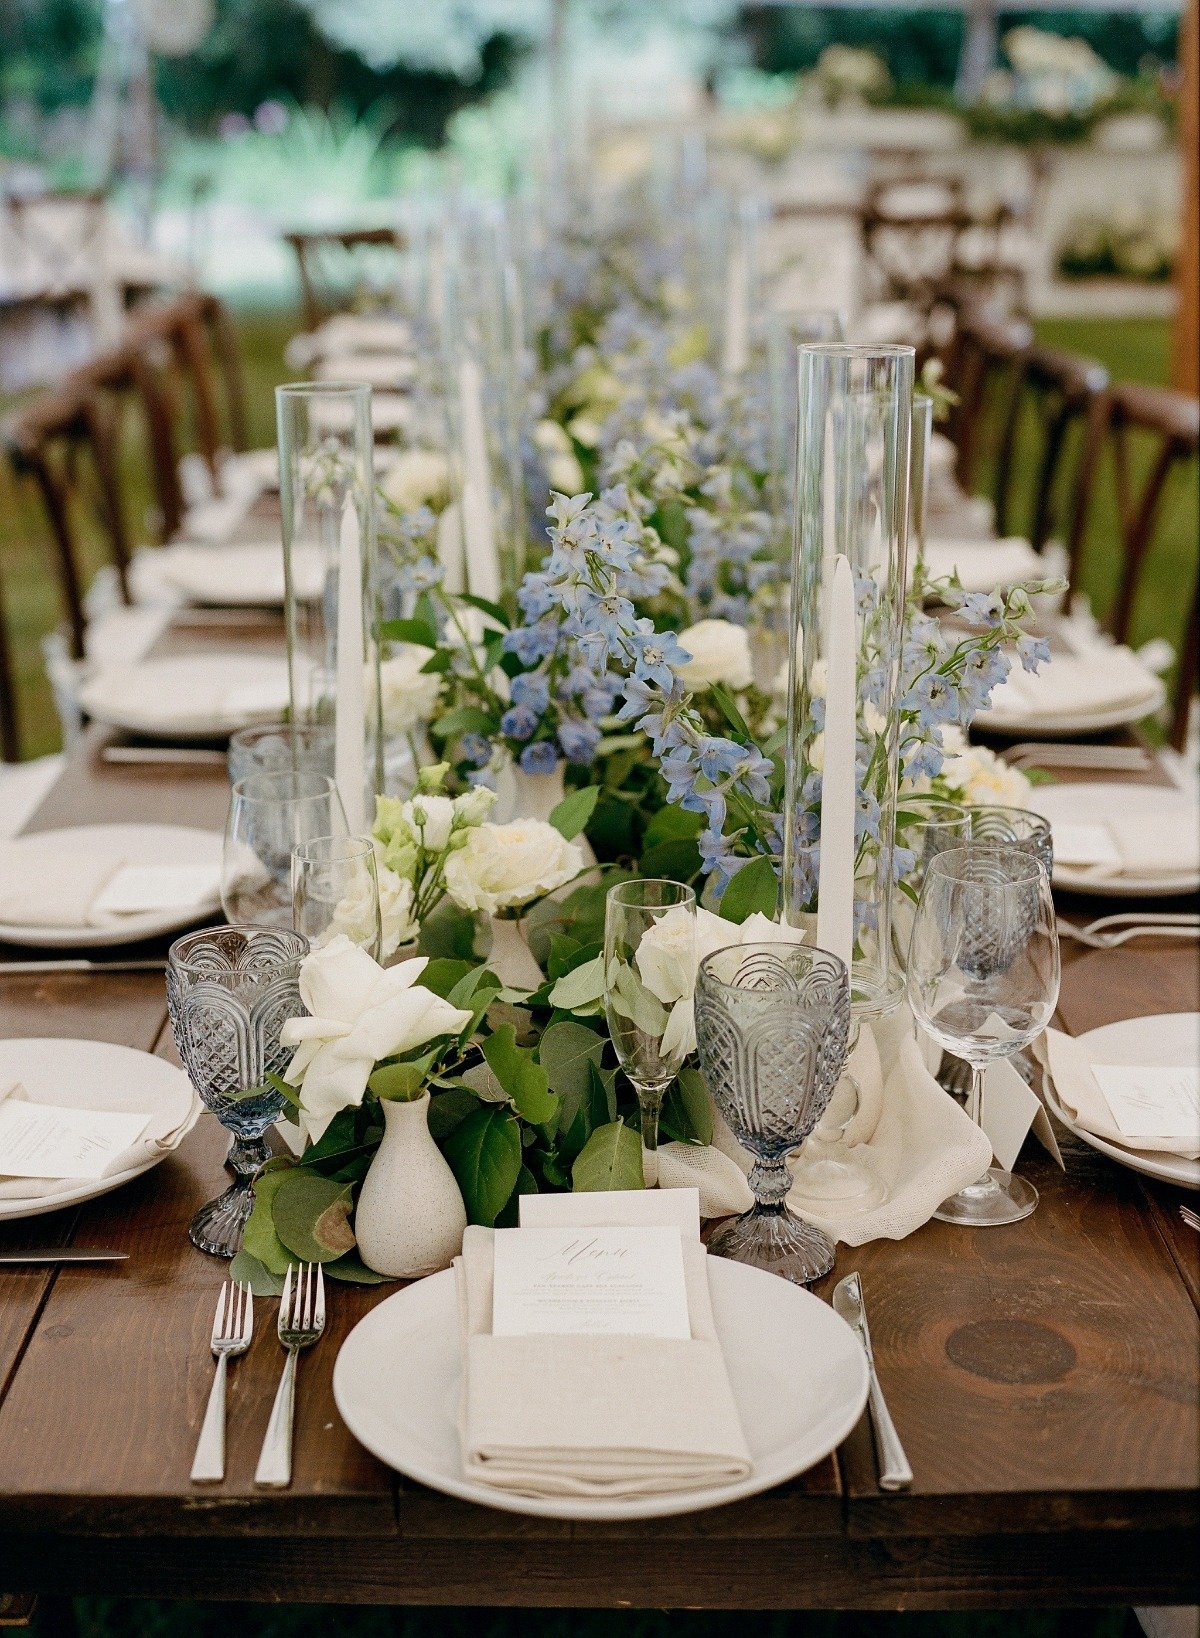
{"points": [[335, 267], [1067, 397], [10, 727], [982, 365]]}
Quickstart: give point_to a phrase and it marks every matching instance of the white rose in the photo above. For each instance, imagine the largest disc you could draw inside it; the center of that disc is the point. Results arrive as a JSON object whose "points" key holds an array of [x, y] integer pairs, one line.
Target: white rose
{"points": [[501, 867], [986, 780], [359, 1012], [720, 653], [407, 693], [417, 477]]}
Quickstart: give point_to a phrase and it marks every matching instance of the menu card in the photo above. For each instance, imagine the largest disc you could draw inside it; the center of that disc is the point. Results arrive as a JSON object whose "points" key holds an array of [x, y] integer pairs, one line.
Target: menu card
{"points": [[1152, 1101], [46, 1140], [589, 1282]]}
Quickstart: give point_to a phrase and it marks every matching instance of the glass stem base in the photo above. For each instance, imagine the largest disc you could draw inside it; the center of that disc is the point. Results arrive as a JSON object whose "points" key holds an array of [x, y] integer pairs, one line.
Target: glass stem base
{"points": [[997, 1198]]}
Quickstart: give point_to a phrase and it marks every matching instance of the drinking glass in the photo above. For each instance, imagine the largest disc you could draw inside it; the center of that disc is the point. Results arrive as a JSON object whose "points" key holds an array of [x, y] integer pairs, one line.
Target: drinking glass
{"points": [[335, 889], [269, 815], [274, 747], [645, 982], [1015, 827], [983, 972], [229, 992], [772, 1026], [926, 826]]}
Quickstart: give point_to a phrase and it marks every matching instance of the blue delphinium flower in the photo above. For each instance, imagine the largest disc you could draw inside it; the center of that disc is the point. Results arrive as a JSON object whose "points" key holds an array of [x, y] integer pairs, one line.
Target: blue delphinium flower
{"points": [[539, 758], [518, 722], [531, 691], [476, 749], [578, 740]]}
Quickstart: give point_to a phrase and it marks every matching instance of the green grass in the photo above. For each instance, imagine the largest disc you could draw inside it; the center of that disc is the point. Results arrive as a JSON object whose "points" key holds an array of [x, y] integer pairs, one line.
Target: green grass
{"points": [[1132, 350]]}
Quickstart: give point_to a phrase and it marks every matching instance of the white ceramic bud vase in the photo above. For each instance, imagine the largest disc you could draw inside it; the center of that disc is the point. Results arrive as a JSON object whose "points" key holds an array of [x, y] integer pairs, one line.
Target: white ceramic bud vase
{"points": [[510, 958], [410, 1218], [520, 795]]}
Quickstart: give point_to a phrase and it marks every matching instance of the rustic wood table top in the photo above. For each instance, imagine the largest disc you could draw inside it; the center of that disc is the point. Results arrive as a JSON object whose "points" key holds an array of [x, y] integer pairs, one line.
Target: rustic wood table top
{"points": [[1043, 1378]]}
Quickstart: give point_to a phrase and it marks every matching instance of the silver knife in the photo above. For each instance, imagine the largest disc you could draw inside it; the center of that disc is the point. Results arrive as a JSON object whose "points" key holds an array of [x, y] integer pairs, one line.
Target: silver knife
{"points": [[894, 1471], [64, 1254]]}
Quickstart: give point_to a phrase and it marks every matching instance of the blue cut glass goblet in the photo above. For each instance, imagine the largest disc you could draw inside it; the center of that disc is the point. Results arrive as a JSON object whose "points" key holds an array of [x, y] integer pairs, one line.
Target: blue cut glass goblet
{"points": [[229, 992], [772, 1026]]}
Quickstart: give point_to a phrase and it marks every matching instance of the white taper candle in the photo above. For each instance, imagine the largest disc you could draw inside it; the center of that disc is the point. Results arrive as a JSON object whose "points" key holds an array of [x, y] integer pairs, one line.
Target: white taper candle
{"points": [[835, 890]]}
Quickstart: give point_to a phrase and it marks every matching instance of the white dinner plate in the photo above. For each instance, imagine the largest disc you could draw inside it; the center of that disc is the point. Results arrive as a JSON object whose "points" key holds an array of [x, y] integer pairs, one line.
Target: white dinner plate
{"points": [[1083, 803], [55, 850], [1168, 1039], [240, 575], [192, 696], [798, 1373], [1033, 704], [96, 1075]]}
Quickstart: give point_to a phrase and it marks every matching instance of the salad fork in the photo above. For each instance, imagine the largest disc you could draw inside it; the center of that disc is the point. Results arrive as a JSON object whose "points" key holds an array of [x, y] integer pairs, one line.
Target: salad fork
{"points": [[233, 1327], [301, 1321]]}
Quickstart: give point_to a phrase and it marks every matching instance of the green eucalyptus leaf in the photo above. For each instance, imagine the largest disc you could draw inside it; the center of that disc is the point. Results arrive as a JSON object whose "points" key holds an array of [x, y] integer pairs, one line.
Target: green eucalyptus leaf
{"points": [[409, 631], [483, 1083], [353, 1271], [755, 888], [448, 931], [259, 1237], [443, 974], [484, 1152], [403, 1082], [525, 1081], [566, 1051], [311, 1214], [610, 1159], [465, 719], [510, 1215], [290, 1094], [687, 1111], [449, 1109], [677, 861], [247, 1270], [574, 811], [629, 998], [672, 824], [582, 986]]}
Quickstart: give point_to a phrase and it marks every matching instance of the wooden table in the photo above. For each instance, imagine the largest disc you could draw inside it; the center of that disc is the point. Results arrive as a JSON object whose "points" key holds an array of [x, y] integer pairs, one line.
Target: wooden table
{"points": [[1043, 1378]]}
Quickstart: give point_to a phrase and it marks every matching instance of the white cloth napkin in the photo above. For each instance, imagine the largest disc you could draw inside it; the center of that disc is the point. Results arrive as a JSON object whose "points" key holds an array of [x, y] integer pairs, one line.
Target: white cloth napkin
{"points": [[1110, 830], [1069, 1067], [923, 1149], [227, 694], [165, 1131], [362, 333], [722, 1185], [243, 573], [385, 372], [1107, 677], [75, 891], [984, 565], [599, 1416], [390, 412]]}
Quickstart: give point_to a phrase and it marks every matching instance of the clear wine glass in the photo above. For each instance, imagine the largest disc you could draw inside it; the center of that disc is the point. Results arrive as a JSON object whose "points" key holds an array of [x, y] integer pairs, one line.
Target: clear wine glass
{"points": [[649, 963], [926, 826], [335, 889], [276, 747], [983, 974], [269, 815], [229, 992], [772, 1024]]}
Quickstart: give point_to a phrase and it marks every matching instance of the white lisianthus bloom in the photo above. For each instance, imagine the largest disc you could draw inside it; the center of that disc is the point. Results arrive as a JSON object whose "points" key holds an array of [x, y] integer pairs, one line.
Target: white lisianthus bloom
{"points": [[473, 806], [503, 867], [408, 695], [720, 653], [417, 477], [396, 920], [359, 1012], [431, 818]]}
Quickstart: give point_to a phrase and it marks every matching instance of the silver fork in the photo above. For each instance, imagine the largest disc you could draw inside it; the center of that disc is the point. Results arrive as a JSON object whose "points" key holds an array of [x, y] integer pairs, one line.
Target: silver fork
{"points": [[233, 1327], [1063, 754], [1189, 1217], [1110, 931], [301, 1321]]}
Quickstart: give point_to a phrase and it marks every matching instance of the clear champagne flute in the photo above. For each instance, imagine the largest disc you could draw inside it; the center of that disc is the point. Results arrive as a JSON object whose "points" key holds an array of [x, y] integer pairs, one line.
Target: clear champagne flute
{"points": [[649, 972], [983, 974], [335, 889], [269, 815]]}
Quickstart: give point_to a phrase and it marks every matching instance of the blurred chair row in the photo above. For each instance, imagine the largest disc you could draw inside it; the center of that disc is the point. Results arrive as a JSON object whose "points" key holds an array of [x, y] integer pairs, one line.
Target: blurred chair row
{"points": [[127, 421], [1054, 430]]}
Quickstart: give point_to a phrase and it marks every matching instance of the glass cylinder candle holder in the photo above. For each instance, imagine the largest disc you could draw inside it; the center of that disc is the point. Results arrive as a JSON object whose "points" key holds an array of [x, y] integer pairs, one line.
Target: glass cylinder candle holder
{"points": [[854, 434], [918, 488], [331, 580]]}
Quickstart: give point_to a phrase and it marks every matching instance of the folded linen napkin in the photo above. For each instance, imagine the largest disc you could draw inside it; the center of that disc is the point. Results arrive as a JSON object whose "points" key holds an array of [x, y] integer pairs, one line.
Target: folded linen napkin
{"points": [[1106, 677], [166, 1130], [230, 690], [984, 565], [1163, 843], [249, 572], [1067, 1063], [923, 1149], [57, 887], [385, 372], [213, 521], [611, 1416], [362, 333]]}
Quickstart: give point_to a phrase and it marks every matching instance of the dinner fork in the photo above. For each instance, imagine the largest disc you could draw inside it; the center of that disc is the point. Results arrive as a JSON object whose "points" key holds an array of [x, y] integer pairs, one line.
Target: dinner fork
{"points": [[1108, 932], [301, 1321], [1064, 754], [1189, 1217], [233, 1327]]}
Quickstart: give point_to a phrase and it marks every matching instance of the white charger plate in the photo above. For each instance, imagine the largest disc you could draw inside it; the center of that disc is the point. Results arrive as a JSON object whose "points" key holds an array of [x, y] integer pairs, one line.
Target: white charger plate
{"points": [[94, 1075], [1168, 1039], [797, 1370], [54, 850], [1081, 803], [190, 696]]}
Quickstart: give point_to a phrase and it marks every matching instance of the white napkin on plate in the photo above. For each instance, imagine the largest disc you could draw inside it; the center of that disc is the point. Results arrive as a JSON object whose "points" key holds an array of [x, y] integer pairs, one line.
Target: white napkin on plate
{"points": [[165, 1131], [362, 333], [80, 892], [923, 1149], [249, 572], [600, 1416], [1067, 1063], [984, 565], [385, 372], [1107, 677]]}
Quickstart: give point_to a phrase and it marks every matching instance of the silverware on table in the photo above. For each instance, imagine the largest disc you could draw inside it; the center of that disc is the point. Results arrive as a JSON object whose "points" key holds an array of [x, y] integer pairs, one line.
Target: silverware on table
{"points": [[301, 1321], [1108, 932], [63, 1254], [162, 756], [72, 964], [894, 1471], [1063, 754], [233, 1327], [1190, 1217], [954, 1075]]}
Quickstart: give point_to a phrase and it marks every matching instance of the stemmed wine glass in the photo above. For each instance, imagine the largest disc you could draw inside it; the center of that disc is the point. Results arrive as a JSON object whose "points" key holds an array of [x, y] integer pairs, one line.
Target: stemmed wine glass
{"points": [[772, 1024], [269, 815], [643, 985], [335, 889], [983, 974]]}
